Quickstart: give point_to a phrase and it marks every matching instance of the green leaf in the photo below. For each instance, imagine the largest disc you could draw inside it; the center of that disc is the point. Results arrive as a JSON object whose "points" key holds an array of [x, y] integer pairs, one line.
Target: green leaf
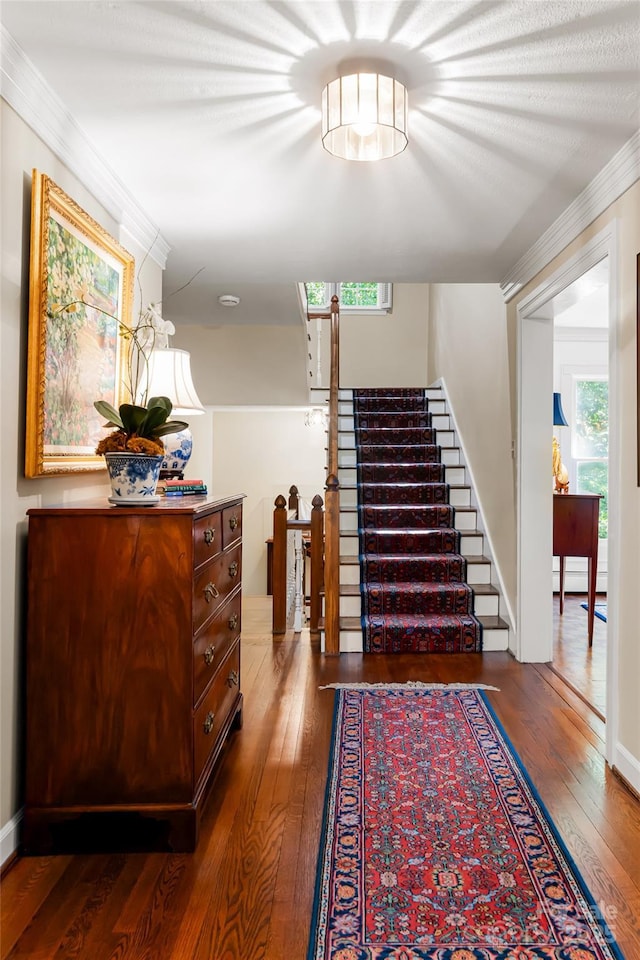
{"points": [[109, 413], [155, 417], [172, 426], [132, 416], [161, 402]]}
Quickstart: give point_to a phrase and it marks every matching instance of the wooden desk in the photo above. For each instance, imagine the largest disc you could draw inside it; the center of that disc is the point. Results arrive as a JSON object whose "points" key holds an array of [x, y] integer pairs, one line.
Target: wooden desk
{"points": [[575, 534]]}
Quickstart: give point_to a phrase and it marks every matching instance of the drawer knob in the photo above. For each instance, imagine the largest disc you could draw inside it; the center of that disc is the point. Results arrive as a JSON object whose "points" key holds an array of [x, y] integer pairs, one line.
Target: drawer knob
{"points": [[209, 654], [208, 722], [233, 621], [209, 535], [233, 569], [233, 679], [233, 522], [211, 592]]}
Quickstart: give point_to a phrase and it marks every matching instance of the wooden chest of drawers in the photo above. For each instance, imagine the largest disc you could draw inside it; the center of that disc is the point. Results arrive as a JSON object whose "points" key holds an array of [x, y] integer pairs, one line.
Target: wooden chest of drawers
{"points": [[132, 670]]}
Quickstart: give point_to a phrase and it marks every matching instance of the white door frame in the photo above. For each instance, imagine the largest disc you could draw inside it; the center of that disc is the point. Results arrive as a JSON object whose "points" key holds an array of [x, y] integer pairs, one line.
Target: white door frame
{"points": [[534, 482]]}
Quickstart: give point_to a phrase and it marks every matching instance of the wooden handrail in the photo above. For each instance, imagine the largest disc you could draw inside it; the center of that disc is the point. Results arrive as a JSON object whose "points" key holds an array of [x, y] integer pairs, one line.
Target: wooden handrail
{"points": [[332, 500]]}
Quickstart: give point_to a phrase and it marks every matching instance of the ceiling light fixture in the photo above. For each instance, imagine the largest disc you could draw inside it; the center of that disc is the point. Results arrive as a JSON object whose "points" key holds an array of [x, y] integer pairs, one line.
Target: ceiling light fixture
{"points": [[364, 116]]}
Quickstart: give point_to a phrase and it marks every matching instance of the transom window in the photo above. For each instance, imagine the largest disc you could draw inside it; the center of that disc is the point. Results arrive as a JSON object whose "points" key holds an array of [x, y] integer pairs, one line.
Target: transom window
{"points": [[354, 297]]}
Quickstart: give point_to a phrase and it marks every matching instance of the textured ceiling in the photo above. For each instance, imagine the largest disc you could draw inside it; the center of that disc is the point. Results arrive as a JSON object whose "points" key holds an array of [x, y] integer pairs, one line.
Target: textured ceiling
{"points": [[209, 114]]}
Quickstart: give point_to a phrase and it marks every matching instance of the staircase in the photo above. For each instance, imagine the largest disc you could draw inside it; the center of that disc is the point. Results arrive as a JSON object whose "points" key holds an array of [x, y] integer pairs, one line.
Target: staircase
{"points": [[486, 600]]}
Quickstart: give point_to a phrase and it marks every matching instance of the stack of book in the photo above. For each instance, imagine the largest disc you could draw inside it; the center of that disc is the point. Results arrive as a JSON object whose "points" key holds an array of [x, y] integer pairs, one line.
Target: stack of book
{"points": [[183, 488]]}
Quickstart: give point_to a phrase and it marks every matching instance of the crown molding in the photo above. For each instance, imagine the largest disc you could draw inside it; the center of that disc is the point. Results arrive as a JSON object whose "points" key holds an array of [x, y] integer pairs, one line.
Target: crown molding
{"points": [[28, 93], [620, 173]]}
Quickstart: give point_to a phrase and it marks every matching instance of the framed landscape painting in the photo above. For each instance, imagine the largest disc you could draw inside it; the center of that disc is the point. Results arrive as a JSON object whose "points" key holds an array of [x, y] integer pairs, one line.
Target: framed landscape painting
{"points": [[80, 298]]}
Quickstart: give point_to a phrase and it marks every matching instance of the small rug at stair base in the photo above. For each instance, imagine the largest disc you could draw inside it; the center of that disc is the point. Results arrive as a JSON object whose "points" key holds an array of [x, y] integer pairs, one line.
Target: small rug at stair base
{"points": [[436, 845], [600, 610]]}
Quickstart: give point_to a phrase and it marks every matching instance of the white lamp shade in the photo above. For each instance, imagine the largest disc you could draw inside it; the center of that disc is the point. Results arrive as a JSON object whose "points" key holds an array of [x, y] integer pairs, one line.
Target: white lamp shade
{"points": [[169, 375], [364, 117]]}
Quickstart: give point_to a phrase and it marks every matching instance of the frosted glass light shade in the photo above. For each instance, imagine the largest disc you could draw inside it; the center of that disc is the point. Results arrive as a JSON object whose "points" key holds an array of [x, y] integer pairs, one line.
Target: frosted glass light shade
{"points": [[364, 117], [169, 375]]}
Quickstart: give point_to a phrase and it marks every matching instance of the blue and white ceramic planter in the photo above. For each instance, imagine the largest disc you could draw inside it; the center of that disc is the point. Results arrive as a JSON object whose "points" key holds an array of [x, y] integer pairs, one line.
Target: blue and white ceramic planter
{"points": [[133, 477]]}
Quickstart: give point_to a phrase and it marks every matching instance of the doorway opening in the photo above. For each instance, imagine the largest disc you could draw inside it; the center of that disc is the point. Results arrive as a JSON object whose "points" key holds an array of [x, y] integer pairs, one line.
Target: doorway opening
{"points": [[535, 370], [581, 378]]}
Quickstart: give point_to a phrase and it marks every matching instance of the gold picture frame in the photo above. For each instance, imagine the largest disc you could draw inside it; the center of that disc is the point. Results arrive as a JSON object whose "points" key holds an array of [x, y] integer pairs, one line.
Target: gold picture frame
{"points": [[80, 297]]}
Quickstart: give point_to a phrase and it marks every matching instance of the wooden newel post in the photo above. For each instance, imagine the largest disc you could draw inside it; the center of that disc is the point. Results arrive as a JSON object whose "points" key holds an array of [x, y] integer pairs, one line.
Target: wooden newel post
{"points": [[294, 500], [279, 566], [317, 555]]}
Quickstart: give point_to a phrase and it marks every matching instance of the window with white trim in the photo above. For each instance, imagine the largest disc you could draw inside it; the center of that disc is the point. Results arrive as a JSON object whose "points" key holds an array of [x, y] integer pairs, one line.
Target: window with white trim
{"points": [[590, 439], [353, 297]]}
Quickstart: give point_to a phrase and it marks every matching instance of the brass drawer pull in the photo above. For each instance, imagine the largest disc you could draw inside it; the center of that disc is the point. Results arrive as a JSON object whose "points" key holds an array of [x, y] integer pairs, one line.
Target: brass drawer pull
{"points": [[233, 621], [233, 569], [209, 535], [211, 592], [208, 723], [233, 522], [209, 654], [233, 679]]}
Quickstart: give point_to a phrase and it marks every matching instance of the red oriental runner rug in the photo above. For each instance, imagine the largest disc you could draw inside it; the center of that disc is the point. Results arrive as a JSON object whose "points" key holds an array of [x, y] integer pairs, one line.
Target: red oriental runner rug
{"points": [[436, 845]]}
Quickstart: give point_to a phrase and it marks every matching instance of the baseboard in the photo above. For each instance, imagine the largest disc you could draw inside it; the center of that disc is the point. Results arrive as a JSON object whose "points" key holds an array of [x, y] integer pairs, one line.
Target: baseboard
{"points": [[627, 766], [9, 838]]}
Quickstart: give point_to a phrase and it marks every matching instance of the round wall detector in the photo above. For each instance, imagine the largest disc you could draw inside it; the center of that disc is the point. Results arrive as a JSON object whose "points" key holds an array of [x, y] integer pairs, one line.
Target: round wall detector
{"points": [[228, 300]]}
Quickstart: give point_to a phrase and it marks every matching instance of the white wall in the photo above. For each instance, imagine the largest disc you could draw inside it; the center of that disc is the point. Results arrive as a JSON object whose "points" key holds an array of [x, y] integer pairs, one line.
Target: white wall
{"points": [[387, 350], [262, 452], [21, 152], [469, 350], [248, 364]]}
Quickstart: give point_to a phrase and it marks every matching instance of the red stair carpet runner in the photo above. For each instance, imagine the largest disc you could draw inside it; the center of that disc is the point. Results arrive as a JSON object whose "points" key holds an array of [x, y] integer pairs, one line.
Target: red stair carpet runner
{"points": [[435, 843], [414, 595]]}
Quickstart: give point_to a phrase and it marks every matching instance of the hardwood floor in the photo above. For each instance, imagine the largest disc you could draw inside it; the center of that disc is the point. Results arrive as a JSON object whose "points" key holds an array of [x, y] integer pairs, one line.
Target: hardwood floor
{"points": [[584, 667], [247, 892]]}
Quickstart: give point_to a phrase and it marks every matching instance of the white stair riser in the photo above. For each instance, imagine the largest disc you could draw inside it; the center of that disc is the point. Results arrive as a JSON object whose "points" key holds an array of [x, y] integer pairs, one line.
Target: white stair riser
{"points": [[494, 639], [437, 406], [465, 520], [348, 498], [486, 606], [454, 475], [349, 518], [441, 422], [347, 476], [471, 546], [459, 498], [346, 423], [350, 607], [478, 572], [433, 393], [348, 521], [349, 573], [347, 439], [349, 547], [351, 641], [450, 458]]}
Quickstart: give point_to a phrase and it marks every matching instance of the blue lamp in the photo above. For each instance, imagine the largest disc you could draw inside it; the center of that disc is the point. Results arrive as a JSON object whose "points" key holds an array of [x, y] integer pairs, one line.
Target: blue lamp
{"points": [[559, 419]]}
